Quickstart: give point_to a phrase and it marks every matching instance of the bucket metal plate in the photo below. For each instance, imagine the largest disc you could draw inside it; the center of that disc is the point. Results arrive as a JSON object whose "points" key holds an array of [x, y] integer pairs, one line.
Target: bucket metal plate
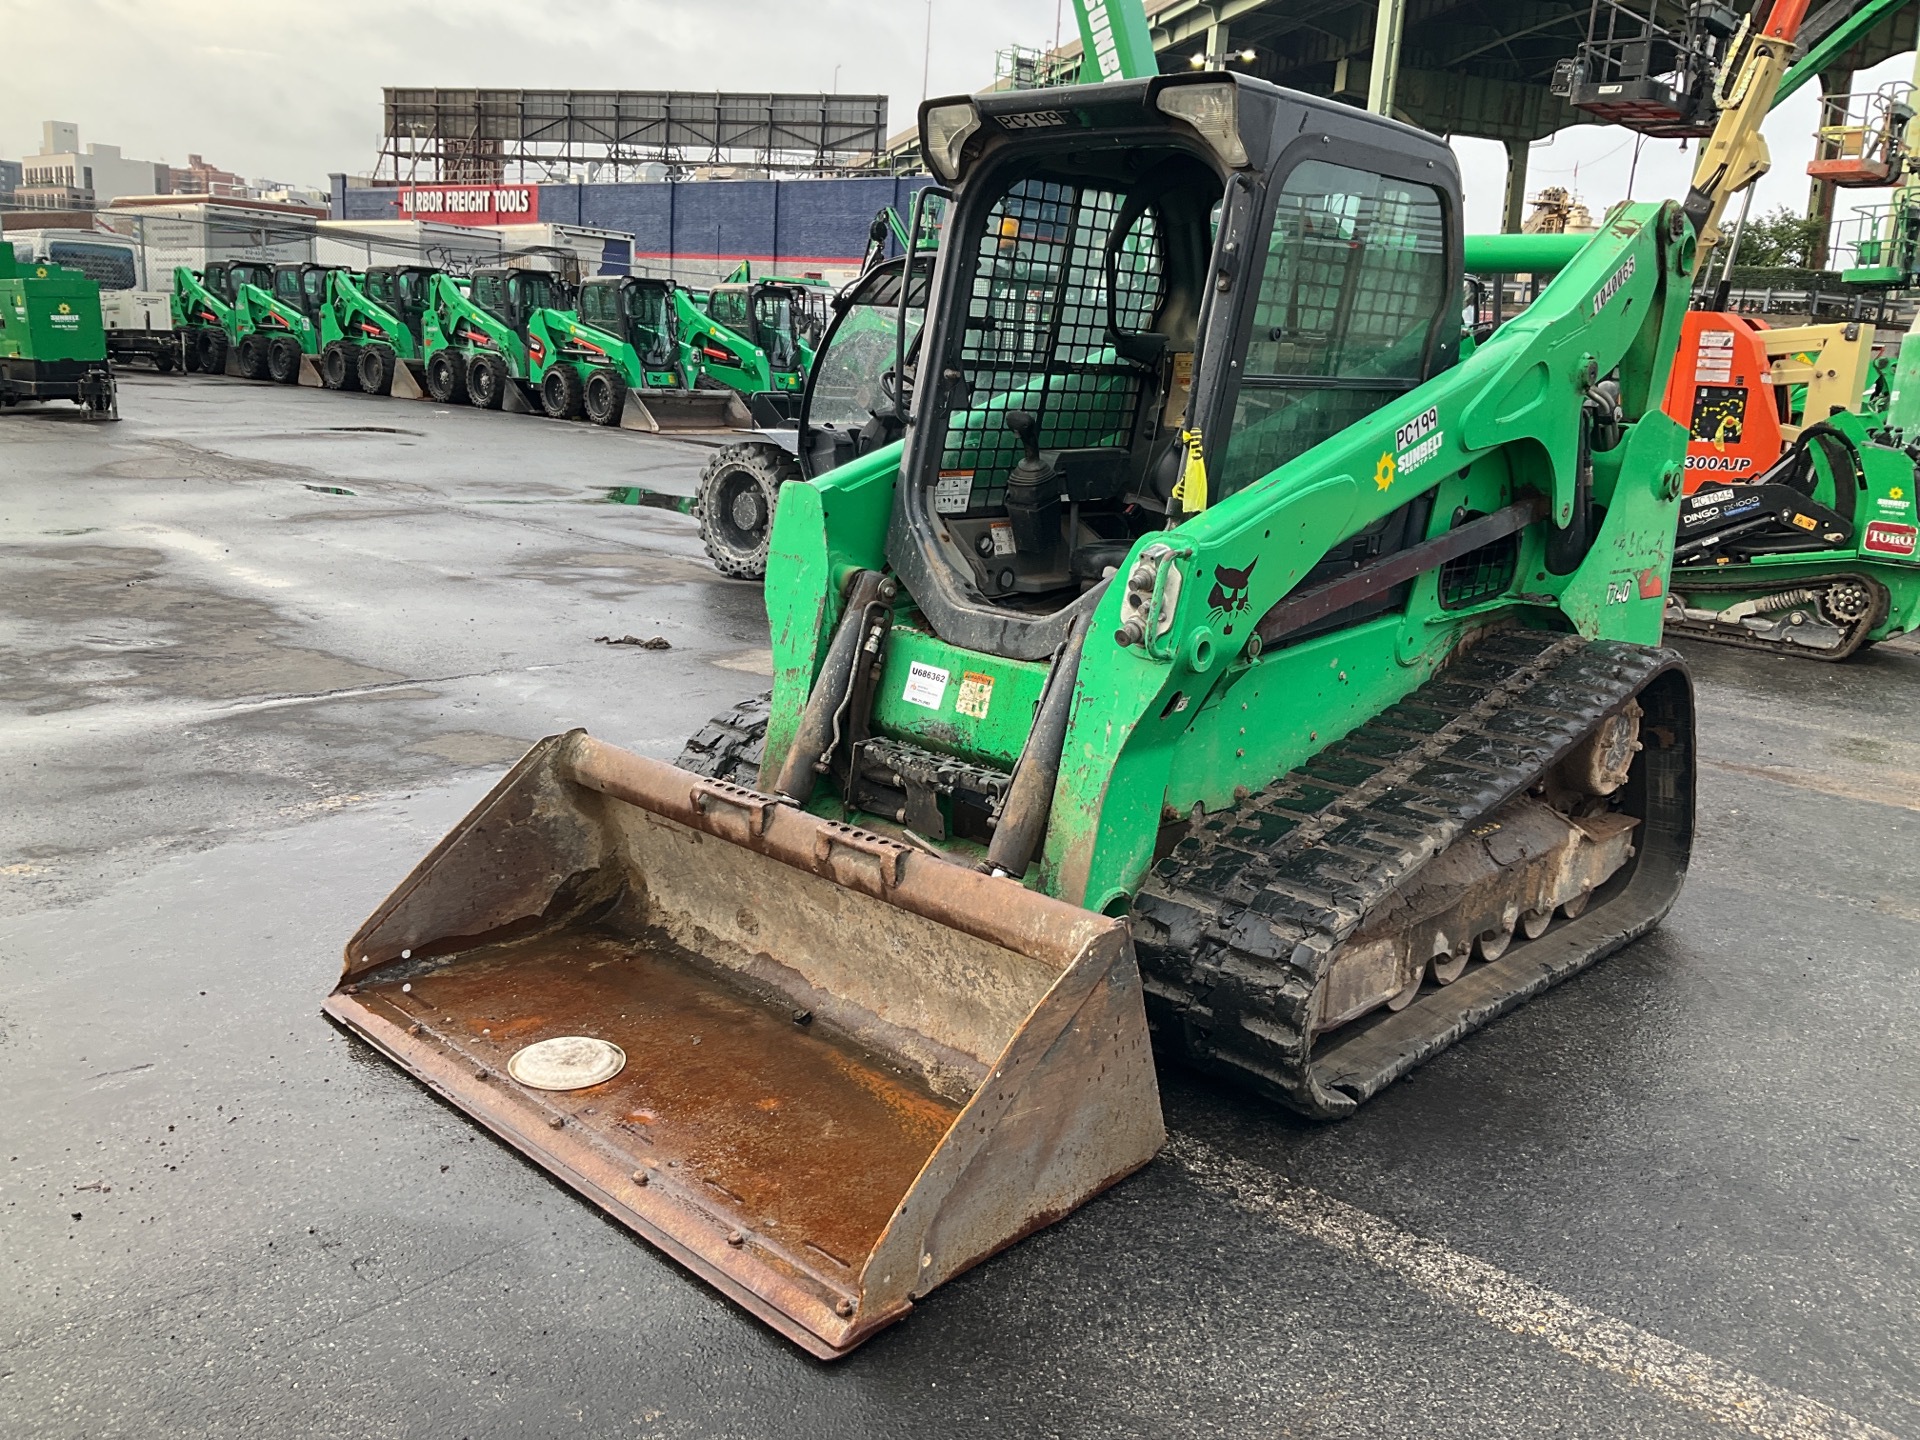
{"points": [[852, 1069]]}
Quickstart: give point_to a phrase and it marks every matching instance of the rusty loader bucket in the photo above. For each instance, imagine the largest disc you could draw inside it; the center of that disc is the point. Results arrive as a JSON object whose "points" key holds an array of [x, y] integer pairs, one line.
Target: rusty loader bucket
{"points": [[822, 1070], [668, 412]]}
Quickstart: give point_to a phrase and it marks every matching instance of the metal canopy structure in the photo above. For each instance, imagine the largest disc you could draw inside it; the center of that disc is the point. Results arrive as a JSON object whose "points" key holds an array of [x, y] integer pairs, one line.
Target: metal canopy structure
{"points": [[476, 136], [1477, 68]]}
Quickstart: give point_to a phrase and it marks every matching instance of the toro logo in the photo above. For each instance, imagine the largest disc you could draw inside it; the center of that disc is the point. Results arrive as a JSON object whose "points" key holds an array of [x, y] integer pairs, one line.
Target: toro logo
{"points": [[1883, 538]]}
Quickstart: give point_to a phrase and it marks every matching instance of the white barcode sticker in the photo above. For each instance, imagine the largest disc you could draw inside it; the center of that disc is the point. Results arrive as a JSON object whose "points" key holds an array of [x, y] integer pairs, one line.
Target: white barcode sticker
{"points": [[926, 685], [954, 493]]}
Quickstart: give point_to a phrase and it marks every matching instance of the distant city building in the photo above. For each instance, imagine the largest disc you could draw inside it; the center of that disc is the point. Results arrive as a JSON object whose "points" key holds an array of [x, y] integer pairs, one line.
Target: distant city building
{"points": [[197, 177], [282, 193], [64, 177], [9, 180]]}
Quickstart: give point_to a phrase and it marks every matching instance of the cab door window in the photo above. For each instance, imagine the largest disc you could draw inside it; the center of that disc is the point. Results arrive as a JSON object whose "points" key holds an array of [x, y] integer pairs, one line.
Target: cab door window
{"points": [[1352, 291]]}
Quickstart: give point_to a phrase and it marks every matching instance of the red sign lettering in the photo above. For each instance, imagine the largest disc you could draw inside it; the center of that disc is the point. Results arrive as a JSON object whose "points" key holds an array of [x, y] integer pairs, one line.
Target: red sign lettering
{"points": [[471, 204]]}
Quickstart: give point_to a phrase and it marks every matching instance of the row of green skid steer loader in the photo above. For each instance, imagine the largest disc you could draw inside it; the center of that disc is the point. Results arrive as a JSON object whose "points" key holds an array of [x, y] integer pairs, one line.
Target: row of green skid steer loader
{"points": [[624, 350], [1228, 659]]}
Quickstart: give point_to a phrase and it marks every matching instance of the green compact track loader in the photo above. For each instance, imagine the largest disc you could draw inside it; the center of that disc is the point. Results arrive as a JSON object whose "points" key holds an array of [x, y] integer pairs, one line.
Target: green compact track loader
{"points": [[616, 359], [1220, 661], [372, 332], [53, 343], [476, 333]]}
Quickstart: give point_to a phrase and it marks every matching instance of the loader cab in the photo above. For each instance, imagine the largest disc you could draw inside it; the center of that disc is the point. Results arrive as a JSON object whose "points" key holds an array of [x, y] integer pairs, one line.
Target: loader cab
{"points": [[1125, 263], [223, 278], [764, 313], [512, 295], [638, 310], [303, 288], [851, 400], [403, 291]]}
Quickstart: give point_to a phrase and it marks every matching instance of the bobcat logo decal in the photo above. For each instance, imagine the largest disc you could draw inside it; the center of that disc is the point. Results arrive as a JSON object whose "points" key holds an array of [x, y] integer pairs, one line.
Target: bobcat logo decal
{"points": [[1229, 594]]}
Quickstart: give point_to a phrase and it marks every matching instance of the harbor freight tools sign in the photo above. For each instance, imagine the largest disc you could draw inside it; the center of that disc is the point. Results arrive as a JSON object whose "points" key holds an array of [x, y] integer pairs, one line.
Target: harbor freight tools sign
{"points": [[471, 204]]}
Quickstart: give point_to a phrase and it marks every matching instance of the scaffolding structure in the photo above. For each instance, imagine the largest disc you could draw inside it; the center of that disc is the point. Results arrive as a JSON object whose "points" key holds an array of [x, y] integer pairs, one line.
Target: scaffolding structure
{"points": [[475, 137]]}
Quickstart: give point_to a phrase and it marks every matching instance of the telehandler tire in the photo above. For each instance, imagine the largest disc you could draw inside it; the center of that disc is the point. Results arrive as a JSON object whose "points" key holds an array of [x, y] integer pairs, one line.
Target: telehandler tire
{"points": [[560, 392], [486, 382], [447, 378], [374, 369], [337, 370], [739, 491], [283, 361], [251, 358], [606, 397]]}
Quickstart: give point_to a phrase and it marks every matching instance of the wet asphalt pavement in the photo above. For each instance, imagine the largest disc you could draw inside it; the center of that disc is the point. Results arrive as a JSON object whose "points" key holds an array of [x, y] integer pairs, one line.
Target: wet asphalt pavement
{"points": [[260, 647]]}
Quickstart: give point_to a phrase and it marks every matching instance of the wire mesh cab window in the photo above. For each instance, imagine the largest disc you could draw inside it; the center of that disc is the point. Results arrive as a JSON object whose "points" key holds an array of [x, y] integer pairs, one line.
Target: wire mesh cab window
{"points": [[379, 288], [315, 284], [1036, 335], [1351, 288]]}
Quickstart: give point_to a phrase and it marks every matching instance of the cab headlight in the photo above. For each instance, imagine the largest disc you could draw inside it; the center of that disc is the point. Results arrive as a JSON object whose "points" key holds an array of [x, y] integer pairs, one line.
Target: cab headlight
{"points": [[943, 131], [1214, 110]]}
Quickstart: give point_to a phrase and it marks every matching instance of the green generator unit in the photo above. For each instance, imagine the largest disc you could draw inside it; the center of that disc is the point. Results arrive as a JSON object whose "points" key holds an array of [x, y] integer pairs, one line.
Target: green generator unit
{"points": [[53, 344]]}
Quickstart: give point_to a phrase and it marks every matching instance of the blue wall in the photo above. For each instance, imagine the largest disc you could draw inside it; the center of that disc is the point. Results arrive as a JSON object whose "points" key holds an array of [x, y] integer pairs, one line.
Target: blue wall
{"points": [[789, 225]]}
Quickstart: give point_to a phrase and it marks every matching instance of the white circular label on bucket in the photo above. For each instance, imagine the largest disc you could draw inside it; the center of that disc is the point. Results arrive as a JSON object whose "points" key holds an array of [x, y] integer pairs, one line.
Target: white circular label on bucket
{"points": [[567, 1062]]}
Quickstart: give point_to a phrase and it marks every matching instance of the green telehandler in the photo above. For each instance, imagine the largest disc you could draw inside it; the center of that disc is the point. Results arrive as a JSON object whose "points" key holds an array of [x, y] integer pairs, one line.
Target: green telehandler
{"points": [[271, 326], [202, 305], [371, 332], [476, 332], [53, 342], [615, 358]]}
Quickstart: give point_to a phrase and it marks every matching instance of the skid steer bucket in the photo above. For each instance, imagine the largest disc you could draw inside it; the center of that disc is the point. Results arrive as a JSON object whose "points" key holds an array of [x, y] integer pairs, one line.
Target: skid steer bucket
{"points": [[672, 411], [822, 1070]]}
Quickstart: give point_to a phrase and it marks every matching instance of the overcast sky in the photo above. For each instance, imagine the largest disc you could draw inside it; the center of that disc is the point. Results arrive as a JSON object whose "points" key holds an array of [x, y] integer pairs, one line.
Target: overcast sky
{"points": [[291, 91]]}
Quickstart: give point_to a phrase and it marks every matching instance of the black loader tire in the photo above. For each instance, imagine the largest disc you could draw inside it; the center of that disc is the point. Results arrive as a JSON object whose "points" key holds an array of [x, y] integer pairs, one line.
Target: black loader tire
{"points": [[486, 382], [447, 378], [283, 361], [163, 360], [190, 352], [735, 504], [338, 367], [211, 346], [729, 746], [251, 358], [374, 369], [560, 392], [606, 397]]}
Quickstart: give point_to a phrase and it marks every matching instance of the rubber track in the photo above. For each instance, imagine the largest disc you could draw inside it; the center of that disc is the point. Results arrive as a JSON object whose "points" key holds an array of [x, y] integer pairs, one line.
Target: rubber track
{"points": [[1235, 926], [1683, 584], [729, 746]]}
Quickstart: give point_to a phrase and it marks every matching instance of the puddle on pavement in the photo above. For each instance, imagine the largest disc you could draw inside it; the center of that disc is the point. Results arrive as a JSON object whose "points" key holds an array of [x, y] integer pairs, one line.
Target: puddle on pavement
{"points": [[652, 499]]}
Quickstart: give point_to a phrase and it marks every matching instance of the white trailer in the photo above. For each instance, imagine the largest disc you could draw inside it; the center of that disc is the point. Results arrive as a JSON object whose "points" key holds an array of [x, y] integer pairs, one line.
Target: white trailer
{"points": [[597, 251], [362, 244], [194, 233]]}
